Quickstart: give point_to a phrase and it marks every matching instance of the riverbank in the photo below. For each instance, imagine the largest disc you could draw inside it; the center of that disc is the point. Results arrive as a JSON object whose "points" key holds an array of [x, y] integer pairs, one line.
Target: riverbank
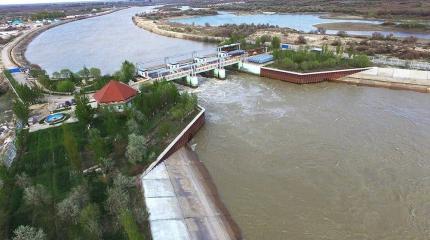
{"points": [[156, 26], [352, 26], [300, 162]]}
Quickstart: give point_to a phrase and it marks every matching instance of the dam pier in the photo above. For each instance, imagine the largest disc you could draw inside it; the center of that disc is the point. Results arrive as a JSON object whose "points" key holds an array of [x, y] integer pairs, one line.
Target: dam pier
{"points": [[188, 69]]}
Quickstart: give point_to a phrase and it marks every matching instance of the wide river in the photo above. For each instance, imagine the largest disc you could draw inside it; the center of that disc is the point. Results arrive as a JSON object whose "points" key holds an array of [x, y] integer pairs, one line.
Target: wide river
{"points": [[105, 42], [323, 161]]}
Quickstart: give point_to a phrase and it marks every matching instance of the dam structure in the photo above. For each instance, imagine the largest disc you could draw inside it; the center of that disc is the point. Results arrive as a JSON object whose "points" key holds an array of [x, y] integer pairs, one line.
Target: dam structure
{"points": [[188, 69]]}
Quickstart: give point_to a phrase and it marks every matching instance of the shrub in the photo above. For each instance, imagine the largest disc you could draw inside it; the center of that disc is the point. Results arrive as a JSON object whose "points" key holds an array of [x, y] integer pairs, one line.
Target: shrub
{"points": [[65, 86], [276, 42], [337, 42], [410, 40], [360, 61], [306, 60], [412, 25], [130, 226], [342, 34], [377, 36], [301, 40], [388, 23], [27, 233], [136, 148]]}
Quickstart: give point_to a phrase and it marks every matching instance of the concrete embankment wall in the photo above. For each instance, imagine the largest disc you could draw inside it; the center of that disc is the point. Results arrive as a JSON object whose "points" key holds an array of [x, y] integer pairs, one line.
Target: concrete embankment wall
{"points": [[182, 139], [183, 202], [306, 78], [180, 196], [250, 68], [393, 78]]}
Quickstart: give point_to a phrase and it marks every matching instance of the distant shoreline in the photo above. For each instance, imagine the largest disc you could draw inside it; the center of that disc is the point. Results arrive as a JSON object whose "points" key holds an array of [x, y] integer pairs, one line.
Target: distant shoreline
{"points": [[17, 52], [352, 26], [153, 26]]}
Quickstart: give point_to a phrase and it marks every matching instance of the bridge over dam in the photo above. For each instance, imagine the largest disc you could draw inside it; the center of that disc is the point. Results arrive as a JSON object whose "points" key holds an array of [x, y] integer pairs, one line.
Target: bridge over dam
{"points": [[188, 69]]}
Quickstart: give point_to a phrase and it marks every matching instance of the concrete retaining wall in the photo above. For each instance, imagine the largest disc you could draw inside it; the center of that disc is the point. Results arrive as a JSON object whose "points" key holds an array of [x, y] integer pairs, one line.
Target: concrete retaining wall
{"points": [[385, 84], [250, 68], [306, 78], [393, 78], [397, 75], [181, 140]]}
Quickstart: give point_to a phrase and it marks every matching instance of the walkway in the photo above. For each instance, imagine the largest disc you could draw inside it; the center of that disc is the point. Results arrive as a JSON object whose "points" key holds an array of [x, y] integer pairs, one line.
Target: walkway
{"points": [[394, 78], [7, 60], [183, 203]]}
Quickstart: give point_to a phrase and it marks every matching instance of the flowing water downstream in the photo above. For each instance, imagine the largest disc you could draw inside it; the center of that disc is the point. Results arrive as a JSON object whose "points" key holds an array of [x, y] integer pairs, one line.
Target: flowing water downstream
{"points": [[323, 161]]}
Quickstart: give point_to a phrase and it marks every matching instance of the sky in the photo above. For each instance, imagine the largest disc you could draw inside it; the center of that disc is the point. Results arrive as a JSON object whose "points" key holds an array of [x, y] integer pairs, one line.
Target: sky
{"points": [[3, 2]]}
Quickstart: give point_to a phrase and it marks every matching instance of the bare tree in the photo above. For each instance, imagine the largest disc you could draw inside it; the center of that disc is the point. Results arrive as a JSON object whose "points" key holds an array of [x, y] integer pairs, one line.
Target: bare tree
{"points": [[36, 195], [90, 221], [136, 148], [133, 126], [69, 209], [123, 182], [28, 233], [22, 180], [117, 200]]}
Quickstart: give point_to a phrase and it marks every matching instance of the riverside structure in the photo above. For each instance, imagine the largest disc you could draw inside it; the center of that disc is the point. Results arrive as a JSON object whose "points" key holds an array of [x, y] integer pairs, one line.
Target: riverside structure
{"points": [[189, 68], [289, 161]]}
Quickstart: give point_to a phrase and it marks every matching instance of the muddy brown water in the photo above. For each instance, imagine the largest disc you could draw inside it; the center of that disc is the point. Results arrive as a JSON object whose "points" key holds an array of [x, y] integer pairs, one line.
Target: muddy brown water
{"points": [[324, 161]]}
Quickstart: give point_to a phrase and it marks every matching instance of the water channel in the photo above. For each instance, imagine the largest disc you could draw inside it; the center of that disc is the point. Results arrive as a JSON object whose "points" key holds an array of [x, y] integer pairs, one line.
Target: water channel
{"points": [[105, 42], [324, 161], [301, 22]]}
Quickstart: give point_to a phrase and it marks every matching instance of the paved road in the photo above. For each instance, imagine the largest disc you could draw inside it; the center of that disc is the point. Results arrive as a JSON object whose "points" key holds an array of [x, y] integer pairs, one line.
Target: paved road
{"points": [[8, 63]]}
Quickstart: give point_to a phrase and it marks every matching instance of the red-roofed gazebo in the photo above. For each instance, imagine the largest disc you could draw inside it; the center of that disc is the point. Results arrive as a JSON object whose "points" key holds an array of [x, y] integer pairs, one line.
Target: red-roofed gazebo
{"points": [[116, 94]]}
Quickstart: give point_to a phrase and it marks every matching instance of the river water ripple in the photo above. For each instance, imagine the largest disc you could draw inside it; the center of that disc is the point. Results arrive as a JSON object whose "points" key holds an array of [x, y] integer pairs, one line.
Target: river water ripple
{"points": [[323, 161]]}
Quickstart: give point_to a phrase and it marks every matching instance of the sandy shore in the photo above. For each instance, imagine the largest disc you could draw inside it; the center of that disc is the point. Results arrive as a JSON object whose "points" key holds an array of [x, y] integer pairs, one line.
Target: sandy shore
{"points": [[155, 27]]}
